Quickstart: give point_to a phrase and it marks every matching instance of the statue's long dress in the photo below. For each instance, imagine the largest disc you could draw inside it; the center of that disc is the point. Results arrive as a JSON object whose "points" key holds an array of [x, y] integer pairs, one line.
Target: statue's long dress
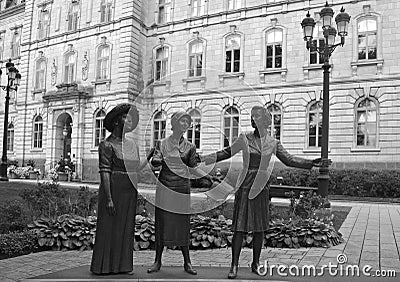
{"points": [[172, 212], [113, 249], [251, 208]]}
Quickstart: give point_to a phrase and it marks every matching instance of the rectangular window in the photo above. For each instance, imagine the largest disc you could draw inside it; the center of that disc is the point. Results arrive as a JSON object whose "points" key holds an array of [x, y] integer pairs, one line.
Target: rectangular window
{"points": [[1, 45], [198, 7], [232, 61], [40, 74], [73, 15], [234, 4], [159, 131], [164, 11], [105, 11], [103, 62], [161, 63], [69, 69], [38, 135], [15, 44], [315, 57], [10, 139], [44, 23], [367, 39]]}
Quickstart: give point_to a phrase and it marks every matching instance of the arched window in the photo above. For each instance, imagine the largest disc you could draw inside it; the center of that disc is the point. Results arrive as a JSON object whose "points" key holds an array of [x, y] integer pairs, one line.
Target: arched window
{"points": [[38, 132], [367, 38], [193, 133], [40, 74], [10, 137], [196, 58], [274, 43], [100, 130], [161, 63], [366, 123], [276, 122], [103, 62], [159, 124], [232, 53], [231, 125], [319, 41], [315, 124], [69, 67]]}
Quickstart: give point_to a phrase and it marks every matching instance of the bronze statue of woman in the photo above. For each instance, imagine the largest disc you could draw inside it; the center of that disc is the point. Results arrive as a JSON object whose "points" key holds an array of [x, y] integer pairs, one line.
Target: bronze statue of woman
{"points": [[119, 163], [177, 158], [251, 206]]}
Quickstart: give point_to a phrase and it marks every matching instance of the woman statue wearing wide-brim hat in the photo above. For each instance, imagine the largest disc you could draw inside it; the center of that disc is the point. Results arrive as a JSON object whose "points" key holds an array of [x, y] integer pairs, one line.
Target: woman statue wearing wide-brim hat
{"points": [[119, 163], [251, 207], [177, 158]]}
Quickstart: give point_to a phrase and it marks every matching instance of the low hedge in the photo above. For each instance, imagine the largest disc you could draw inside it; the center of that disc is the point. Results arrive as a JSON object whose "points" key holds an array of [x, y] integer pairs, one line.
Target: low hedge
{"points": [[76, 233], [18, 243]]}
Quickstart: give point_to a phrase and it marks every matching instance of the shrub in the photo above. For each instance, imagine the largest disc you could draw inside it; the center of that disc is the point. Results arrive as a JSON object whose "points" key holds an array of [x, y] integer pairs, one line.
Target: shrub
{"points": [[31, 163], [47, 199], [18, 243], [85, 202], [302, 233], [12, 216], [67, 232]]}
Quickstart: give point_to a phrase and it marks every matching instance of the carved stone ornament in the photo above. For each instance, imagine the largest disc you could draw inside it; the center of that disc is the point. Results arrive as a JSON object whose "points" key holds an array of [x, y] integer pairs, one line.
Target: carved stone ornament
{"points": [[85, 66], [53, 73]]}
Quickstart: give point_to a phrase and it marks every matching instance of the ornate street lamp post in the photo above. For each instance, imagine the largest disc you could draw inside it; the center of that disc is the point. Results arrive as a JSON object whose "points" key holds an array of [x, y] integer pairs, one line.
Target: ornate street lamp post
{"points": [[13, 81], [308, 24]]}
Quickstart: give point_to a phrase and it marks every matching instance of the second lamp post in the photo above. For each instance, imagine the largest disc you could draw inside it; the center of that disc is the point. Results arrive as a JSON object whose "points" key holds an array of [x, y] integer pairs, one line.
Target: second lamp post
{"points": [[329, 32]]}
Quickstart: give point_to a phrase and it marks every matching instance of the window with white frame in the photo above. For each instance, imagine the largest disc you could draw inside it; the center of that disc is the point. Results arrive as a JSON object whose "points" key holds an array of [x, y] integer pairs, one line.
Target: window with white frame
{"points": [[69, 67], [366, 123], [231, 125], [10, 137], [37, 132], [315, 124], [319, 42], [103, 62], [2, 45], [105, 11], [234, 4], [159, 124], [15, 43], [276, 120], [100, 130], [193, 133], [195, 58], [367, 35], [44, 23], [161, 63], [232, 53], [164, 11], [73, 16], [274, 43], [198, 7], [40, 74]]}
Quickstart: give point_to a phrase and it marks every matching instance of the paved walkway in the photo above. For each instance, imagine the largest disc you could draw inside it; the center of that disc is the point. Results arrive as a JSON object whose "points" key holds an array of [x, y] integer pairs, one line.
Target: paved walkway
{"points": [[371, 233]]}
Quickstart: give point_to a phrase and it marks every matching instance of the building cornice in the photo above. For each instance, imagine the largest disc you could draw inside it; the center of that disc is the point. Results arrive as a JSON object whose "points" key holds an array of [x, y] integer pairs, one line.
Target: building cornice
{"points": [[18, 9]]}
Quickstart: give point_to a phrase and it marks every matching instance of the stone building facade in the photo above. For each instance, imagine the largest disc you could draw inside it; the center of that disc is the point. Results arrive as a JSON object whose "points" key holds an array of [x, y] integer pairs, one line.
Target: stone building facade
{"points": [[212, 58]]}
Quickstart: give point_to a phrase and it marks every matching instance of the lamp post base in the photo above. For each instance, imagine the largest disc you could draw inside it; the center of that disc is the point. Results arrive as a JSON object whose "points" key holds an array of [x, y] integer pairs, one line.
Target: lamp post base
{"points": [[3, 172]]}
